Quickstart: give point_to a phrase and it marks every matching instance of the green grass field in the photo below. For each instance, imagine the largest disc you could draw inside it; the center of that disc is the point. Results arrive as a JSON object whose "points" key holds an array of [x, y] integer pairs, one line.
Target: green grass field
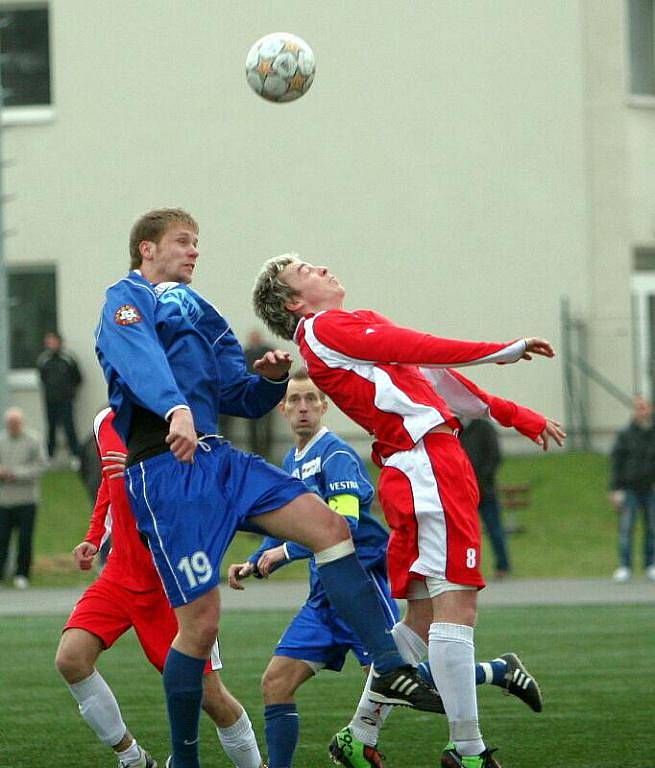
{"points": [[595, 665], [571, 529]]}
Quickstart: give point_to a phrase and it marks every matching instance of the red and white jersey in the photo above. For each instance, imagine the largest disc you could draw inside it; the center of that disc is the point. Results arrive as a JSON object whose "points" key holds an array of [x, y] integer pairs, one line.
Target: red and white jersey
{"points": [[397, 383], [129, 563]]}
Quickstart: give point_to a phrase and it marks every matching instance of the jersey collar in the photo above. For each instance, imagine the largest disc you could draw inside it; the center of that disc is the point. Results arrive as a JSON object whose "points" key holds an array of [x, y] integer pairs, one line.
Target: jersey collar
{"points": [[301, 454]]}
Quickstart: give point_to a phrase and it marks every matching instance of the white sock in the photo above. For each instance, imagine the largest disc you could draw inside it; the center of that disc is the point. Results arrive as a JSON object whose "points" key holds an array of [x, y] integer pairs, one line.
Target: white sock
{"points": [[369, 715], [452, 663], [131, 754], [98, 706], [239, 743]]}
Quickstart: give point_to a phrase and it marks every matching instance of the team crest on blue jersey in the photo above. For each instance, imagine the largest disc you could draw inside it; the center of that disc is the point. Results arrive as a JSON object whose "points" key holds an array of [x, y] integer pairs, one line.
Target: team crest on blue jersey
{"points": [[127, 314], [310, 468], [185, 301]]}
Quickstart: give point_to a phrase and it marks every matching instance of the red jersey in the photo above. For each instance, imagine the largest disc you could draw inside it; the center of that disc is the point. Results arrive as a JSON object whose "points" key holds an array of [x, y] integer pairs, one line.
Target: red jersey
{"points": [[129, 563], [397, 383]]}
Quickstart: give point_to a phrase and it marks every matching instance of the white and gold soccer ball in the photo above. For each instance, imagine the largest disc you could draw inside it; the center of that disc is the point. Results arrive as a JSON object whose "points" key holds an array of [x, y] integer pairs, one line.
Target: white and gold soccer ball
{"points": [[280, 67]]}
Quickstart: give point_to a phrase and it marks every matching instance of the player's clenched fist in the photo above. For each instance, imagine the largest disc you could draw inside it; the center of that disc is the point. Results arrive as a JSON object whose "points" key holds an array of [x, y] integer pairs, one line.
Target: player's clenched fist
{"points": [[182, 436], [83, 555]]}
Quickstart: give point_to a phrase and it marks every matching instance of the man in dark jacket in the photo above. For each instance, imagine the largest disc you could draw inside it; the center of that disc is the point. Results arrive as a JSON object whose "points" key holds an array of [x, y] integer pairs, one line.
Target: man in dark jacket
{"points": [[480, 442], [631, 487], [60, 378], [260, 431]]}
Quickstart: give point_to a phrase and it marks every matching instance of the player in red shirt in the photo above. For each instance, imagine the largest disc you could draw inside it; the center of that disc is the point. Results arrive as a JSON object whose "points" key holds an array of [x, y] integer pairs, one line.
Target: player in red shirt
{"points": [[399, 384], [128, 593]]}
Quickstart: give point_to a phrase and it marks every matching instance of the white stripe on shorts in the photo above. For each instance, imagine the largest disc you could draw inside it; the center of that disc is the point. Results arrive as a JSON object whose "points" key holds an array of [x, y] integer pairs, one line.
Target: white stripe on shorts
{"points": [[161, 543], [428, 510], [215, 657]]}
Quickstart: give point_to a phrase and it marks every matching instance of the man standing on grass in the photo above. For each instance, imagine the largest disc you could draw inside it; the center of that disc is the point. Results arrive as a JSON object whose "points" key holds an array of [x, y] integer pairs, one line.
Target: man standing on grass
{"points": [[172, 364], [396, 384], [21, 465], [316, 638], [632, 488]]}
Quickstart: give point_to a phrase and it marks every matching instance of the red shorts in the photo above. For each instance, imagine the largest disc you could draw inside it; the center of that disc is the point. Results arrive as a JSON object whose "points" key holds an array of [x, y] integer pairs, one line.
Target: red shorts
{"points": [[107, 610], [429, 496]]}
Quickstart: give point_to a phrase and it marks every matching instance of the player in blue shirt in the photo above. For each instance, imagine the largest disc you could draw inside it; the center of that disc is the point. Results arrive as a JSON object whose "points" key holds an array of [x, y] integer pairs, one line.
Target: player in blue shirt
{"points": [[317, 638], [172, 364]]}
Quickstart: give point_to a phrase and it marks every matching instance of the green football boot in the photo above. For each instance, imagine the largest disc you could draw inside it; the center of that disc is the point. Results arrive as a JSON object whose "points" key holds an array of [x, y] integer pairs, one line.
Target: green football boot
{"points": [[451, 758], [346, 750]]}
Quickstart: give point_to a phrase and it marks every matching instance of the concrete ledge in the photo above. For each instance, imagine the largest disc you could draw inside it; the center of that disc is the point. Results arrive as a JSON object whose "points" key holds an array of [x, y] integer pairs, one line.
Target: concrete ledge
{"points": [[291, 594]]}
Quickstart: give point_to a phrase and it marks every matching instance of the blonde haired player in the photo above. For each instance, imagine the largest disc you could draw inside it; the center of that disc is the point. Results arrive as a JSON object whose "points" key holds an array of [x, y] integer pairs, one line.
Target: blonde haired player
{"points": [[399, 385]]}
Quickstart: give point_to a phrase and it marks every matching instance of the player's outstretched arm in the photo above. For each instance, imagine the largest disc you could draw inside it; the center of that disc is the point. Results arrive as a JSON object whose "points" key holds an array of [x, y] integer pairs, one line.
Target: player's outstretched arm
{"points": [[373, 338], [552, 431]]}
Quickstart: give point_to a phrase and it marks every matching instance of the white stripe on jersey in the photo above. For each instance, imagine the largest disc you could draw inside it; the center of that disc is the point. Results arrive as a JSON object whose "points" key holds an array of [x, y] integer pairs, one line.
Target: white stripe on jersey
{"points": [[97, 422], [461, 401], [417, 418]]}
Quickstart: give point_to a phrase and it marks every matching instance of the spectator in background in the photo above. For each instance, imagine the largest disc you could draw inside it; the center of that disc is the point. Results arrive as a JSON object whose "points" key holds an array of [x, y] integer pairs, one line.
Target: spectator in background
{"points": [[60, 378], [21, 464], [260, 431], [480, 442], [632, 467]]}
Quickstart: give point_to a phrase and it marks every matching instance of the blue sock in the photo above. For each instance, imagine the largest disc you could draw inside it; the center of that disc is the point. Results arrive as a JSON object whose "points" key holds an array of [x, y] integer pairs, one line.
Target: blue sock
{"points": [[353, 595], [282, 727], [183, 687], [491, 672], [424, 671]]}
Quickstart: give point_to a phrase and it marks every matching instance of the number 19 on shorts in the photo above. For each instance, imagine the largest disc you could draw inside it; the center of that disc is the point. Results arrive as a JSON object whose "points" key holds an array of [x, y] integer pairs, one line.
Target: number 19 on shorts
{"points": [[197, 568]]}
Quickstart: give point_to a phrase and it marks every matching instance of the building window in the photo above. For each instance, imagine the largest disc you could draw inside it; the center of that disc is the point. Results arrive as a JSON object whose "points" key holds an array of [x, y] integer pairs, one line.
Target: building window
{"points": [[32, 313], [25, 49]]}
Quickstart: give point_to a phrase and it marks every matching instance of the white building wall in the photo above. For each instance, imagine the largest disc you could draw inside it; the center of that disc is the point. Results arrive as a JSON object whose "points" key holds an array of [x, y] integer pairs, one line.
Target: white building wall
{"points": [[443, 164]]}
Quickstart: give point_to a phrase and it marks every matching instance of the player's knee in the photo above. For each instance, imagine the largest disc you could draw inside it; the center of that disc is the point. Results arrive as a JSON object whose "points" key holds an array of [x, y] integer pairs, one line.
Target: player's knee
{"points": [[275, 687], [71, 666], [335, 528], [199, 630], [205, 634]]}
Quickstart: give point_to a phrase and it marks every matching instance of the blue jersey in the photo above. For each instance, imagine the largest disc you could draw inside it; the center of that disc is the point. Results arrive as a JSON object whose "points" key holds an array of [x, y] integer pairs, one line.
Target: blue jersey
{"points": [[330, 467], [161, 346]]}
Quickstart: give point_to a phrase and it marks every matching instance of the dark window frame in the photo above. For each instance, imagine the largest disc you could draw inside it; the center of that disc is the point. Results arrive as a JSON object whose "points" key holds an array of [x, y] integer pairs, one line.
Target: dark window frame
{"points": [[29, 324], [26, 55]]}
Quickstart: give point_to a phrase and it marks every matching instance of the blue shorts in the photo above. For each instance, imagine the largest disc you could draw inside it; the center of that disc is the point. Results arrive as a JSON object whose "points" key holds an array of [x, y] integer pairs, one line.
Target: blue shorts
{"points": [[190, 512], [317, 634]]}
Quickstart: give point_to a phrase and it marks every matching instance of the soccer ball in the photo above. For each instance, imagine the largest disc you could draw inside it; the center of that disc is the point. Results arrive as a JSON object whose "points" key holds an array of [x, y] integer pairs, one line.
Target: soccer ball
{"points": [[280, 67]]}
